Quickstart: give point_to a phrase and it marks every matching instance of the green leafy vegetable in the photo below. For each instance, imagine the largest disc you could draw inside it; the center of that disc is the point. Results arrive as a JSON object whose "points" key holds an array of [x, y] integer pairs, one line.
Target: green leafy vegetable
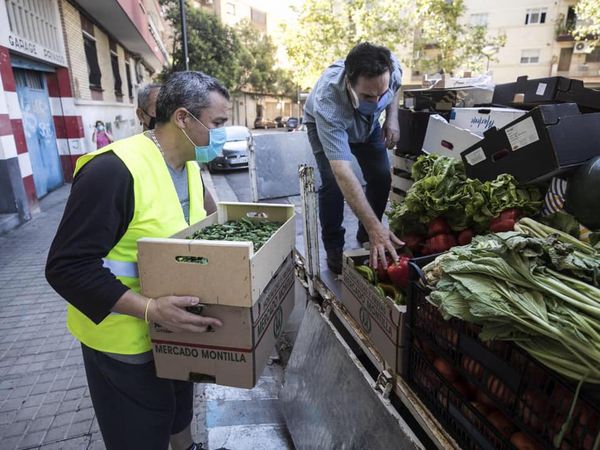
{"points": [[441, 189], [536, 286]]}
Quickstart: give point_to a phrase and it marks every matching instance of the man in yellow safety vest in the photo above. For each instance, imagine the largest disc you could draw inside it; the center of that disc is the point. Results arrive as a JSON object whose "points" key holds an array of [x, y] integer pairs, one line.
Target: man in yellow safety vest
{"points": [[148, 185]]}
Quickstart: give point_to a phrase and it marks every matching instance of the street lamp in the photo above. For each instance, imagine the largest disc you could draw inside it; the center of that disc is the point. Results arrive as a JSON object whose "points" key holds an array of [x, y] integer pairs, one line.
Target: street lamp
{"points": [[184, 34]]}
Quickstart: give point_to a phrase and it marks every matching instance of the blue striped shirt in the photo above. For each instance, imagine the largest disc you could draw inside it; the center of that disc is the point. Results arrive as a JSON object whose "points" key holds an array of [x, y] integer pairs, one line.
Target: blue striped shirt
{"points": [[329, 107]]}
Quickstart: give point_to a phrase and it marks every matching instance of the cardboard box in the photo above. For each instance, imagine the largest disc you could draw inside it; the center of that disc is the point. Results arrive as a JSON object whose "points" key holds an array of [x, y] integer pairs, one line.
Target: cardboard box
{"points": [[477, 120], [413, 126], [443, 100], [531, 93], [229, 273], [545, 142], [380, 318], [401, 180], [235, 354], [446, 139]]}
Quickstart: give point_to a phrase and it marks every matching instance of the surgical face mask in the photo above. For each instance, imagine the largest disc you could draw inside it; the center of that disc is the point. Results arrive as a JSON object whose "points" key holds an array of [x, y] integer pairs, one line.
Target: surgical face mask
{"points": [[216, 140], [100, 127], [367, 108]]}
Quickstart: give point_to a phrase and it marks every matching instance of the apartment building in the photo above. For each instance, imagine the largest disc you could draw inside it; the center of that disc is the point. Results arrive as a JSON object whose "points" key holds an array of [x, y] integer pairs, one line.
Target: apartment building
{"points": [[539, 43], [64, 64]]}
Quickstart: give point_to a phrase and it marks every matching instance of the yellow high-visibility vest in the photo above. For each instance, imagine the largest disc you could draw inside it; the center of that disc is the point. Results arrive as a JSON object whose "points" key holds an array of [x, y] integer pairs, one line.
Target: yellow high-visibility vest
{"points": [[157, 213]]}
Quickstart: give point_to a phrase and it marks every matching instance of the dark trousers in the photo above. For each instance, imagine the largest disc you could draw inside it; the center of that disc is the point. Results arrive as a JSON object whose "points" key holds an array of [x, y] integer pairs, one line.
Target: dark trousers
{"points": [[374, 163], [134, 408]]}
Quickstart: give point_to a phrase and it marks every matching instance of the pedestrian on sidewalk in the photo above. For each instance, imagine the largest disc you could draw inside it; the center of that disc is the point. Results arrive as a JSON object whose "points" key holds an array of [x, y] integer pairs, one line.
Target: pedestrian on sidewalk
{"points": [[101, 136], [146, 109], [342, 119], [148, 185]]}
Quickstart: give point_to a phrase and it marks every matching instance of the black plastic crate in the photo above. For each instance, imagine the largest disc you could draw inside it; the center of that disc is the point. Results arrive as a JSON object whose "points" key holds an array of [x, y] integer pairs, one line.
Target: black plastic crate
{"points": [[533, 396], [467, 425]]}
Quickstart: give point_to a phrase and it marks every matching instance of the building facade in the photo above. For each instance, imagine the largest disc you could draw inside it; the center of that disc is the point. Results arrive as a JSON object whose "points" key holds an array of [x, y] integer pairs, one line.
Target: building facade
{"points": [[539, 43], [63, 66]]}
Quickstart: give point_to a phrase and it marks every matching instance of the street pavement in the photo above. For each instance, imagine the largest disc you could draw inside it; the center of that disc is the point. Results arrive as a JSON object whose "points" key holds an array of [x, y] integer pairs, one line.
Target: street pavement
{"points": [[44, 400]]}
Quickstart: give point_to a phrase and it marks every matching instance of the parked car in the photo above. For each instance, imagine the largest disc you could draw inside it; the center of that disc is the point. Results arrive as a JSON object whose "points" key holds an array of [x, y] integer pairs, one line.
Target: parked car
{"points": [[292, 123], [235, 150], [261, 122], [281, 121]]}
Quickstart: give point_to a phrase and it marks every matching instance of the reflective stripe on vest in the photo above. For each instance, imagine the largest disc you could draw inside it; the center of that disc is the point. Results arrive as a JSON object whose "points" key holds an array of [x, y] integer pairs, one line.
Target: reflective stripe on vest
{"points": [[121, 268]]}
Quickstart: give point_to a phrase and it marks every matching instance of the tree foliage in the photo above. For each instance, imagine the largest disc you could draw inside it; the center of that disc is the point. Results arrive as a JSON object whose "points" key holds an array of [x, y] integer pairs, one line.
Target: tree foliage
{"points": [[240, 57], [328, 29], [443, 42], [588, 19]]}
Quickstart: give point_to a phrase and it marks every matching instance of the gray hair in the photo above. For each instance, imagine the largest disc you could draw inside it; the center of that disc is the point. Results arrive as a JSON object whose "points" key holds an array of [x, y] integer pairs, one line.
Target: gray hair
{"points": [[144, 95], [189, 90]]}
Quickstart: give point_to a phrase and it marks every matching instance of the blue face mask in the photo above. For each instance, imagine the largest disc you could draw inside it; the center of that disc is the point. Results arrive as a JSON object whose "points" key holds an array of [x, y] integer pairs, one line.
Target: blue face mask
{"points": [[367, 108], [216, 140], [100, 127]]}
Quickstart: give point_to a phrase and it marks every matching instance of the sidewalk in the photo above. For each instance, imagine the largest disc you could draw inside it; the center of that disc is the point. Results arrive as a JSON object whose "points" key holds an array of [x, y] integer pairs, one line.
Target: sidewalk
{"points": [[44, 401]]}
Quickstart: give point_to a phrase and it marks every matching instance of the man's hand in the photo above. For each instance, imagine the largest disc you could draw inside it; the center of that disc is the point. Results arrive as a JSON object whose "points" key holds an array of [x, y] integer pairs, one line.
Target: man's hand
{"points": [[381, 240], [391, 132], [170, 313]]}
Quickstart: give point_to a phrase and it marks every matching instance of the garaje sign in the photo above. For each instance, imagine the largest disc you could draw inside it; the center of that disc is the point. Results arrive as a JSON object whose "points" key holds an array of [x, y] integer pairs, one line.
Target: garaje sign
{"points": [[30, 48]]}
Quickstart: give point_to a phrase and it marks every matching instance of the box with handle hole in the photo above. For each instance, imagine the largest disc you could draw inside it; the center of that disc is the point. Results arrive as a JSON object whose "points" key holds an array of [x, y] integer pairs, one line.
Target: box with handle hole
{"points": [[227, 273]]}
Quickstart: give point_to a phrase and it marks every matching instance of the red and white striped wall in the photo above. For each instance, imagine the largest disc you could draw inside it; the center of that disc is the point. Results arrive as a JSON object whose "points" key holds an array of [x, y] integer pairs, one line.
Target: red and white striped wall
{"points": [[16, 175], [67, 122], [14, 146]]}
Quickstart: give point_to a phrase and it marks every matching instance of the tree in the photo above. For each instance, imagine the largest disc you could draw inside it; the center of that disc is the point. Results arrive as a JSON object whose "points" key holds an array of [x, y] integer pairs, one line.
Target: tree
{"points": [[588, 19], [444, 43], [258, 62], [241, 57], [328, 29]]}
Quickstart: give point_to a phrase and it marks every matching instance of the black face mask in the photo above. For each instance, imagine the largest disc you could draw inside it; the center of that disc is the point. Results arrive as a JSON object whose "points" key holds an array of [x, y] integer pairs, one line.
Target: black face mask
{"points": [[152, 122]]}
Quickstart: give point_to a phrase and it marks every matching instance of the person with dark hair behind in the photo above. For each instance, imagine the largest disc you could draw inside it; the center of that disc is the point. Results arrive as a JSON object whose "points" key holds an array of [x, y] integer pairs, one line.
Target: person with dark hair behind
{"points": [[147, 185], [146, 109], [342, 119]]}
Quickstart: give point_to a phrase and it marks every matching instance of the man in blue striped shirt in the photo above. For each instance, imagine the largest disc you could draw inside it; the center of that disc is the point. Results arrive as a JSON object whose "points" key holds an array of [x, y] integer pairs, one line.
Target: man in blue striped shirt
{"points": [[342, 119]]}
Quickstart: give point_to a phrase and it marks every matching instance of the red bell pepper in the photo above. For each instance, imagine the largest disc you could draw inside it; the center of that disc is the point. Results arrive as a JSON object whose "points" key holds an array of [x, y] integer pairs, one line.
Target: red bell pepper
{"points": [[465, 237], [511, 214], [438, 226], [499, 225], [399, 272], [440, 243]]}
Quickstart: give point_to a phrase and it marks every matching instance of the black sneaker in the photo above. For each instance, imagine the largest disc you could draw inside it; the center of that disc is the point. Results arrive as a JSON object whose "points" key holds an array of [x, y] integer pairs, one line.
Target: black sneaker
{"points": [[334, 260]]}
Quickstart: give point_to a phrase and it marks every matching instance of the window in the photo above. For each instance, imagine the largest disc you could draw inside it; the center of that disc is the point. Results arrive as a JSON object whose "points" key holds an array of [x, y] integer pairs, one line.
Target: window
{"points": [[258, 18], [536, 15], [479, 20], [114, 61], [530, 56], [564, 60], [594, 56], [230, 8], [91, 56], [129, 84]]}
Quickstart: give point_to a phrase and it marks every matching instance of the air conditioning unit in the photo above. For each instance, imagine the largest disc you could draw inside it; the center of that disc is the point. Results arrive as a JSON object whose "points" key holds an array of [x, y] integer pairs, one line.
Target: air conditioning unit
{"points": [[582, 47]]}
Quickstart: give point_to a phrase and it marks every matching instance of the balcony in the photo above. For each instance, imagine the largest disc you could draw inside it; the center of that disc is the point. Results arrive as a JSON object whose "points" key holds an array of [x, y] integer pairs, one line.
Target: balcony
{"points": [[129, 24]]}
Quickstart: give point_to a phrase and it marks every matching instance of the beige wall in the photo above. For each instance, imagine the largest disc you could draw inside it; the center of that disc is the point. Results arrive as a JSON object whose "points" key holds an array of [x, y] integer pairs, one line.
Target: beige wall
{"points": [[75, 51]]}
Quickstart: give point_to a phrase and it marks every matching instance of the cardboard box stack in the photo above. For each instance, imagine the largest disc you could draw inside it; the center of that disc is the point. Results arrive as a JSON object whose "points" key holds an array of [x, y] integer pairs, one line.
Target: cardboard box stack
{"points": [[531, 129], [252, 293], [379, 318]]}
